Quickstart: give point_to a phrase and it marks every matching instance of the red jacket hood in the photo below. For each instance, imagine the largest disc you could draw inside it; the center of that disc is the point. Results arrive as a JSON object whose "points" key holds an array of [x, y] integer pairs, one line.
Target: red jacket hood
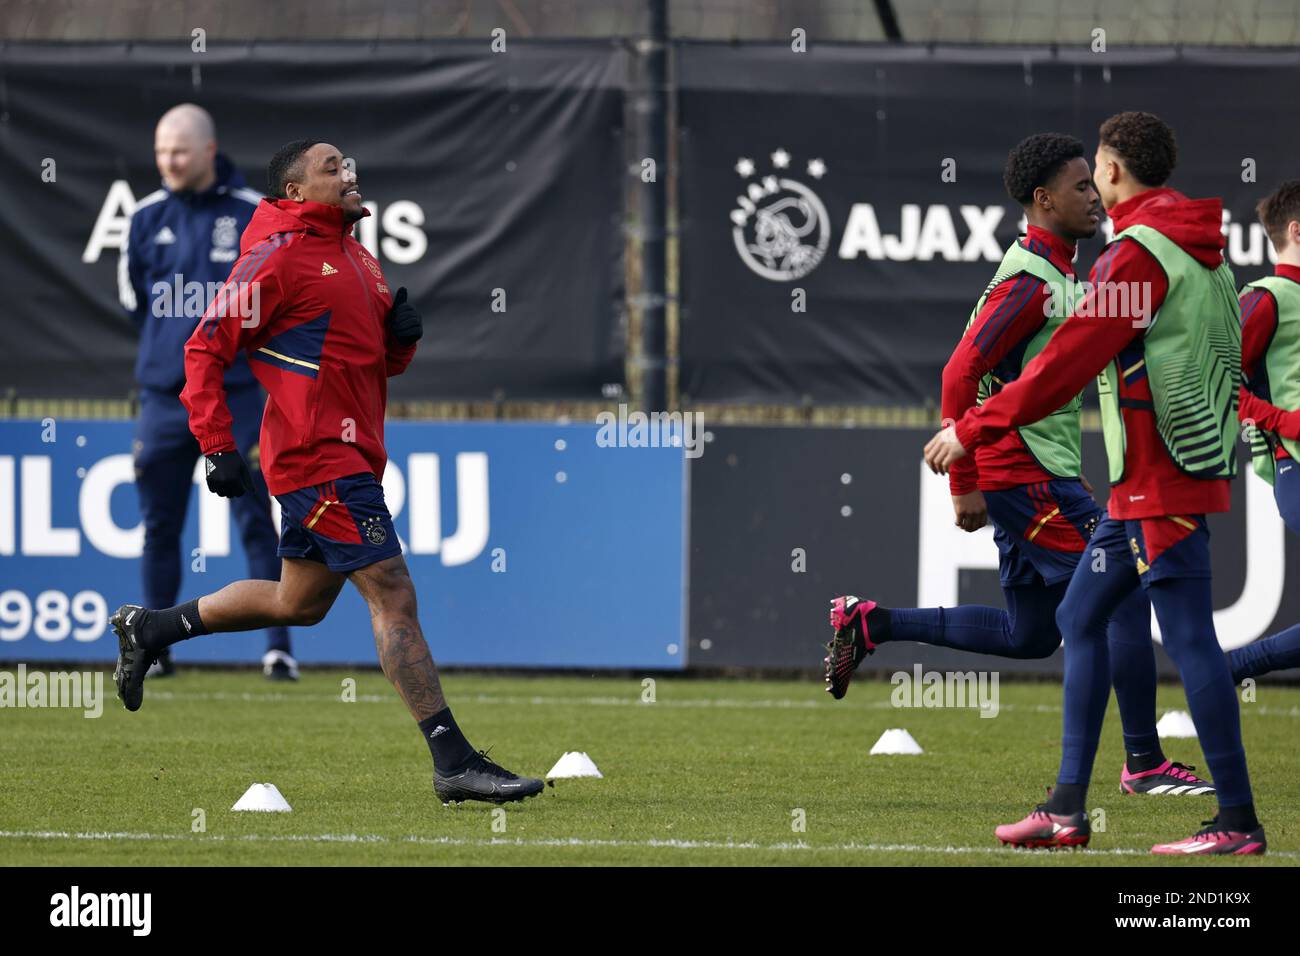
{"points": [[284, 215], [1195, 224]]}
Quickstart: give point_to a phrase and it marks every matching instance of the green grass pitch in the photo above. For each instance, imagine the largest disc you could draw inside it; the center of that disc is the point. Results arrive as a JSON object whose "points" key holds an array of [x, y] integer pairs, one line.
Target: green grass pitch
{"points": [[711, 772]]}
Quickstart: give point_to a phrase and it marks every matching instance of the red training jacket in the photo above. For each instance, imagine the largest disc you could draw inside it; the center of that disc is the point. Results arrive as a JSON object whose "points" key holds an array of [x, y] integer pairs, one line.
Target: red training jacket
{"points": [[1258, 326], [1086, 342], [319, 344], [1013, 314]]}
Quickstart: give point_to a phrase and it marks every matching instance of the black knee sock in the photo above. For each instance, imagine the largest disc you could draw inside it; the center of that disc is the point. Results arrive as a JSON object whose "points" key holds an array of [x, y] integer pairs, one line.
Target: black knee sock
{"points": [[1241, 819], [448, 745], [171, 626], [878, 624], [1067, 798], [1138, 763]]}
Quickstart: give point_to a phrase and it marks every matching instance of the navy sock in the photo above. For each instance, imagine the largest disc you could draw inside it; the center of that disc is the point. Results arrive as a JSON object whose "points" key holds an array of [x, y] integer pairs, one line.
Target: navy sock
{"points": [[1186, 620], [1275, 653], [1084, 619], [171, 625], [1133, 673], [448, 745], [1026, 630]]}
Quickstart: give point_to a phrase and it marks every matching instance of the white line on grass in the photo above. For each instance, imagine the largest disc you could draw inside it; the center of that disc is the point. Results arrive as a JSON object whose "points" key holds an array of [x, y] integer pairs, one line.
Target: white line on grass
{"points": [[549, 842], [720, 703]]}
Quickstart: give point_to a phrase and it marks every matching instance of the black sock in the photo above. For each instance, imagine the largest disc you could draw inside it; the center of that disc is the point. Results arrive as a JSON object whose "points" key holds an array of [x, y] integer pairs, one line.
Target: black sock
{"points": [[171, 626], [1241, 819], [878, 624], [448, 745], [1139, 763], [1067, 798]]}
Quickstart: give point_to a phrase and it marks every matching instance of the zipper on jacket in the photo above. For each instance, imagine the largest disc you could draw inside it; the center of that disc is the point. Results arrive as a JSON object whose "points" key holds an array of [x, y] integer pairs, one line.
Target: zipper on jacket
{"points": [[365, 291]]}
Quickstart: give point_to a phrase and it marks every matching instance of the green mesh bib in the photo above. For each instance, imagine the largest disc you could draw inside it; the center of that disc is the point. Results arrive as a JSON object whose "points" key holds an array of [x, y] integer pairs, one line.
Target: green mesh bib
{"points": [[1192, 356], [1053, 441]]}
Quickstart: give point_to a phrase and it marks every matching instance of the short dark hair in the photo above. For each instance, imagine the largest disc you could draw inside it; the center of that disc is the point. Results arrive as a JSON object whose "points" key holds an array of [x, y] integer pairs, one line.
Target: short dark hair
{"points": [[286, 165], [1035, 160], [1278, 209], [1146, 144]]}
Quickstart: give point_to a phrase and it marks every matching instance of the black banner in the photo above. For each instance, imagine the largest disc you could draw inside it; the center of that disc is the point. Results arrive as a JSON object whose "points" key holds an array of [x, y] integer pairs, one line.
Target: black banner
{"points": [[843, 208], [772, 544], [494, 180]]}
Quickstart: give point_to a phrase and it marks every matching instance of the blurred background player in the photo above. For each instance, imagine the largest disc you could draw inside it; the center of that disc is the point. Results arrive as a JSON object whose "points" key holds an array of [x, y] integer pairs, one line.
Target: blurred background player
{"points": [[1270, 397], [188, 232], [1161, 320], [1029, 482], [325, 336]]}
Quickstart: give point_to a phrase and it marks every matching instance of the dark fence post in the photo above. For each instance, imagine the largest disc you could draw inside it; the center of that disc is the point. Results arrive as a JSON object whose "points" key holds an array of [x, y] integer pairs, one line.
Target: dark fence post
{"points": [[650, 105]]}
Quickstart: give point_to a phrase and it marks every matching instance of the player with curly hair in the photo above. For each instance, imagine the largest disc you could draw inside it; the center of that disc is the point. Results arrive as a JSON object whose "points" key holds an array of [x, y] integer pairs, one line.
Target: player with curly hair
{"points": [[1029, 483], [1161, 325]]}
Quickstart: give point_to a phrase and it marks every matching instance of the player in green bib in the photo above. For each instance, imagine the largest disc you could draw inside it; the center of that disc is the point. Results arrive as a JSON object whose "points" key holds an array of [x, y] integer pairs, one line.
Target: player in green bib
{"points": [[1162, 326], [1270, 397], [1028, 484]]}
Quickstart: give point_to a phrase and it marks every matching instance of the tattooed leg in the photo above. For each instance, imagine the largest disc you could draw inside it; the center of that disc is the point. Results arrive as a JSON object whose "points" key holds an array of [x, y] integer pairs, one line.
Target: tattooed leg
{"points": [[403, 654]]}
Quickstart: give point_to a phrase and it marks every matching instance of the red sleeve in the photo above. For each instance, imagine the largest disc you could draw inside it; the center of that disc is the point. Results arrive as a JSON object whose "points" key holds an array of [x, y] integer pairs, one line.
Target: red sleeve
{"points": [[239, 317], [399, 356], [1258, 325], [1101, 325], [1013, 312], [1270, 418]]}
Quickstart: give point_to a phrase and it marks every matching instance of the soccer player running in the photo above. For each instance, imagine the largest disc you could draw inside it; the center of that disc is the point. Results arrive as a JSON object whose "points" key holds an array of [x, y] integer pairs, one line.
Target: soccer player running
{"points": [[310, 307], [1270, 398], [1028, 482], [1162, 322]]}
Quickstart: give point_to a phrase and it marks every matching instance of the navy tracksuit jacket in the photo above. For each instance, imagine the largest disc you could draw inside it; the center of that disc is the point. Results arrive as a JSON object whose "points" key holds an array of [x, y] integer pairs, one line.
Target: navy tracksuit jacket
{"points": [[180, 248]]}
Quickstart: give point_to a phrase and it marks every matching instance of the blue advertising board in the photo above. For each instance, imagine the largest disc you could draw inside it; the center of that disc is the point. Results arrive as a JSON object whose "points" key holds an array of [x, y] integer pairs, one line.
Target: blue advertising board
{"points": [[530, 544]]}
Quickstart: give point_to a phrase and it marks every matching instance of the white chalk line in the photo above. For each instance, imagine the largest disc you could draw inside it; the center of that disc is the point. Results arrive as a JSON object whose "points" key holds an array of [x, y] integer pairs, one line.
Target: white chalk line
{"points": [[719, 703], [557, 842]]}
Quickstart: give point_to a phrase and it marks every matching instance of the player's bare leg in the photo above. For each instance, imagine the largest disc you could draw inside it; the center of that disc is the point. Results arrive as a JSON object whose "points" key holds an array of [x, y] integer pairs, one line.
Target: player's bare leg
{"points": [[305, 592], [303, 596], [459, 773]]}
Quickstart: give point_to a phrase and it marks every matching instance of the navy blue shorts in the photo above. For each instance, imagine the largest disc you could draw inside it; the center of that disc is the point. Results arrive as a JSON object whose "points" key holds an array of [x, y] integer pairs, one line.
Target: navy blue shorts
{"points": [[344, 524], [1041, 530], [1171, 546]]}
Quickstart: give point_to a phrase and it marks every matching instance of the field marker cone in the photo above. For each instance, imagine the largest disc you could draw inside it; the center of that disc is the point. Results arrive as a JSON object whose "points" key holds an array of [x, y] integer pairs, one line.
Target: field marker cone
{"points": [[896, 741], [1176, 723], [574, 764], [264, 798]]}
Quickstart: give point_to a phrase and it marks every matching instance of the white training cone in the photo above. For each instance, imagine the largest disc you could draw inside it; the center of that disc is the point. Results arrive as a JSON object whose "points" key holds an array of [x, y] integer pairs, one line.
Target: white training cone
{"points": [[573, 764], [896, 741], [1176, 723], [263, 797]]}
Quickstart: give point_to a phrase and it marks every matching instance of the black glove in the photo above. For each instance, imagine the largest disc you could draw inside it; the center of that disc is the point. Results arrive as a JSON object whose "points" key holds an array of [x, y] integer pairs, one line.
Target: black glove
{"points": [[404, 320], [228, 475]]}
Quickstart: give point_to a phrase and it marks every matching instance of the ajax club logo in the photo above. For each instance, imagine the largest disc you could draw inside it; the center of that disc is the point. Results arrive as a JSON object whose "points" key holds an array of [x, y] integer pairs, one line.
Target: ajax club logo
{"points": [[373, 528], [225, 239], [781, 228]]}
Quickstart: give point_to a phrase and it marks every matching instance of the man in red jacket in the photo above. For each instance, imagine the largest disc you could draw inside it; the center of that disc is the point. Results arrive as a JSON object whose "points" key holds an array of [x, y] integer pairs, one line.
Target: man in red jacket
{"points": [[1161, 323], [1270, 398], [310, 308]]}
